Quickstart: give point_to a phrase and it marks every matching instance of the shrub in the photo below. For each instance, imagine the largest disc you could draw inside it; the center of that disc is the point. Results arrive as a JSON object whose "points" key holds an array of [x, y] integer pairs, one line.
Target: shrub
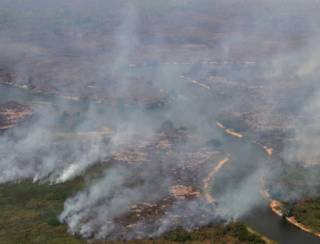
{"points": [[53, 221], [178, 235], [240, 231]]}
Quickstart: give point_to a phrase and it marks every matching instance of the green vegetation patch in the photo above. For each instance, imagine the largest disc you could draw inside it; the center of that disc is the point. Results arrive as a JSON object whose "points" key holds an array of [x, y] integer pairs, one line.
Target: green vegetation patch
{"points": [[229, 234], [29, 212], [308, 213], [232, 233], [241, 231]]}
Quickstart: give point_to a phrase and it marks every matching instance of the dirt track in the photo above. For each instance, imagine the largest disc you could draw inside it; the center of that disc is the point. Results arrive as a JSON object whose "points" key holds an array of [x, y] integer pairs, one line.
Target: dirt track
{"points": [[210, 178]]}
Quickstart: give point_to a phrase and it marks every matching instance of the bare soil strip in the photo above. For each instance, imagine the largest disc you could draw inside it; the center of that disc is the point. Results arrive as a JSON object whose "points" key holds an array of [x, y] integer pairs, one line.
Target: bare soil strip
{"points": [[210, 178]]}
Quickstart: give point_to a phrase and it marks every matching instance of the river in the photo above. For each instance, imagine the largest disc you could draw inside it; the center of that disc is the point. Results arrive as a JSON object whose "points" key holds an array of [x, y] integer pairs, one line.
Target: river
{"points": [[262, 219]]}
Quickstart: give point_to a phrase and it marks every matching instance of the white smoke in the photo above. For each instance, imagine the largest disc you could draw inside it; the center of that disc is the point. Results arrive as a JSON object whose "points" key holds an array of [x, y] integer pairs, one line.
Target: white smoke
{"points": [[101, 40]]}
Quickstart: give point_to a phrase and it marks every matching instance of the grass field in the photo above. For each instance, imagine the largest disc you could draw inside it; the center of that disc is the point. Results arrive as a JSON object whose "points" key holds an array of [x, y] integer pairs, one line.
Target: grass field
{"points": [[308, 213], [28, 212]]}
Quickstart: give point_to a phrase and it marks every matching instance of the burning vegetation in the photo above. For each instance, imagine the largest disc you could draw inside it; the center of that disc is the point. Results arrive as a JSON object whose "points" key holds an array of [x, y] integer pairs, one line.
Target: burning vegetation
{"points": [[120, 100]]}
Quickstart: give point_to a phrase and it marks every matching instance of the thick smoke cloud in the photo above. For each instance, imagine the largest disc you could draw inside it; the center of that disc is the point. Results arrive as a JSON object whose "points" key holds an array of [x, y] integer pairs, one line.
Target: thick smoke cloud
{"points": [[90, 49]]}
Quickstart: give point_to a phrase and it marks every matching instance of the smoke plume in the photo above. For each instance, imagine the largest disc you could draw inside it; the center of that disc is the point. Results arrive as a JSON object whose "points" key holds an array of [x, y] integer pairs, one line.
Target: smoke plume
{"points": [[132, 76]]}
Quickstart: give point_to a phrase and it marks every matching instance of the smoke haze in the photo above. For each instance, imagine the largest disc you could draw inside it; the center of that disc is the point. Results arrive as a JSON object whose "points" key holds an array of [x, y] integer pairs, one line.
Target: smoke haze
{"points": [[132, 66]]}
